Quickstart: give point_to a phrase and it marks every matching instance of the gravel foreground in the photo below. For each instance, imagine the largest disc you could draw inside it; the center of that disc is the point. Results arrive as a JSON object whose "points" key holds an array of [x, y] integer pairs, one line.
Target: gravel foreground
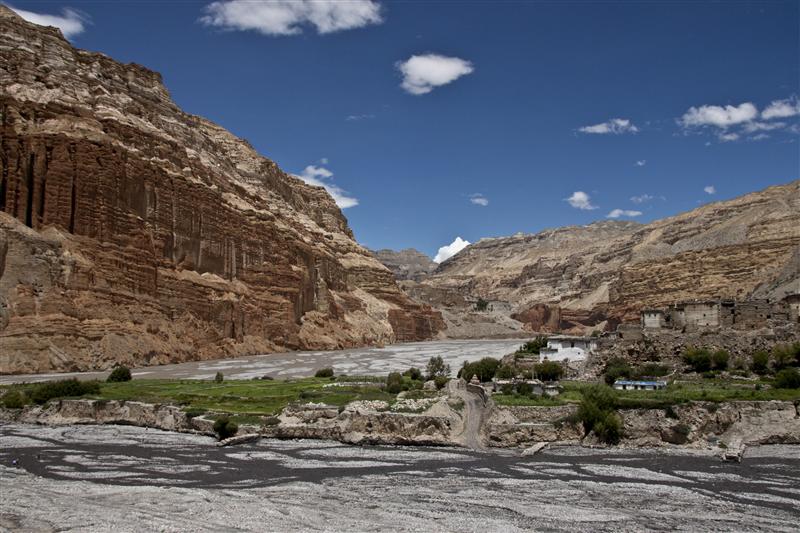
{"points": [[104, 478]]}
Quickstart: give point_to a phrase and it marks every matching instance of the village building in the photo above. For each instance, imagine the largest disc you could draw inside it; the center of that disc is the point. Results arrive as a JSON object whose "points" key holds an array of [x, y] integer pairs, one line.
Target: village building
{"points": [[624, 384], [654, 319], [568, 347]]}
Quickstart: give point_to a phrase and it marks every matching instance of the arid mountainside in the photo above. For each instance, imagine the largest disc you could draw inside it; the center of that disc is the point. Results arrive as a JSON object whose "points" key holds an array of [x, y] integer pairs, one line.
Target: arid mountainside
{"points": [[132, 232], [604, 273], [408, 264]]}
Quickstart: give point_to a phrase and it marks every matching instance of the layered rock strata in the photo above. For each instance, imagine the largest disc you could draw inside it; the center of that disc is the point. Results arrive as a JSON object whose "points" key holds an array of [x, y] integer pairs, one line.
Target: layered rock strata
{"points": [[132, 232]]}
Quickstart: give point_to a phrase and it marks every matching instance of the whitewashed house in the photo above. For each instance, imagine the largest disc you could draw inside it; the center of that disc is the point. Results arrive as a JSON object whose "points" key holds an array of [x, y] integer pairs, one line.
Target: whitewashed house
{"points": [[561, 347]]}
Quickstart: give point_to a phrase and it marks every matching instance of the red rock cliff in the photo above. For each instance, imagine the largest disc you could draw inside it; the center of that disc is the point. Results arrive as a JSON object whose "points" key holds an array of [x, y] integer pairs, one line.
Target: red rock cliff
{"points": [[132, 232]]}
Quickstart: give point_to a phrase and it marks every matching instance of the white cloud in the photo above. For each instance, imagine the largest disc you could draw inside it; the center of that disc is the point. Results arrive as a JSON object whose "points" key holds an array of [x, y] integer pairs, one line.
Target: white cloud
{"points": [[324, 161], [479, 199], [580, 200], [710, 189], [615, 126], [641, 162], [719, 116], [288, 17], [759, 137], [616, 213], [782, 109], [423, 73], [446, 252], [317, 176], [642, 199], [752, 127], [728, 137], [71, 22], [352, 118]]}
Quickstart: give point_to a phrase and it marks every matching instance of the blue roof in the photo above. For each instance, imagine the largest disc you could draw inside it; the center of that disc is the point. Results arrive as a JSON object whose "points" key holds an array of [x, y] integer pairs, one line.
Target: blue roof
{"points": [[627, 382]]}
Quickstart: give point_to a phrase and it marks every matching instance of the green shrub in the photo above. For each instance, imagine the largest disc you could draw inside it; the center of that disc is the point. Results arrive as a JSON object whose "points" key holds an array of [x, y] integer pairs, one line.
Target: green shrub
{"points": [[533, 346], [785, 355], [194, 412], [596, 413], [669, 412], [548, 371], [225, 428], [481, 305], [119, 374], [43, 392], [525, 389], [788, 378], [219, 377], [436, 367], [719, 360], [413, 373], [507, 388], [14, 399], [326, 372], [760, 364], [651, 370], [274, 420], [485, 369], [616, 368], [394, 383], [505, 372], [441, 381], [699, 359]]}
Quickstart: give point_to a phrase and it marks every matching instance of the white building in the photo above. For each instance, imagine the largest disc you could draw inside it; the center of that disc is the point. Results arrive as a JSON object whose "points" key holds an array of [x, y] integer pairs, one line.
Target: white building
{"points": [[561, 347], [624, 384]]}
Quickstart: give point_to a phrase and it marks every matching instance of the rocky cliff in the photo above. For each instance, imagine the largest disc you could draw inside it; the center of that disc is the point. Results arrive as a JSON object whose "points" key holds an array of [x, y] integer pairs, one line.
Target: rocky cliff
{"points": [[408, 264], [603, 273], [133, 232]]}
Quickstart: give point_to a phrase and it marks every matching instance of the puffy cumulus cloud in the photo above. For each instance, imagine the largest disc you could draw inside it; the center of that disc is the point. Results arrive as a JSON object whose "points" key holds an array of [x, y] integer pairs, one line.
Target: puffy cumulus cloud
{"points": [[642, 199], [710, 189], [641, 162], [580, 200], [288, 17], [616, 213], [615, 126], [423, 73], [718, 116], [728, 137], [446, 252], [320, 177], [70, 22], [781, 109], [479, 199]]}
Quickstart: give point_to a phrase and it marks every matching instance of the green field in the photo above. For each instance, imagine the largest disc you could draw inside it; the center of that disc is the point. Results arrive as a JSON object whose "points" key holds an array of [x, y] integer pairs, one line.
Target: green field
{"points": [[251, 397], [677, 392]]}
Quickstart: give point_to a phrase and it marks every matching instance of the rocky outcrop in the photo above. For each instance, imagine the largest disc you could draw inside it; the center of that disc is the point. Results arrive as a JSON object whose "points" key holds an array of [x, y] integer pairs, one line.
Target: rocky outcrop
{"points": [[596, 276], [132, 232], [408, 264]]}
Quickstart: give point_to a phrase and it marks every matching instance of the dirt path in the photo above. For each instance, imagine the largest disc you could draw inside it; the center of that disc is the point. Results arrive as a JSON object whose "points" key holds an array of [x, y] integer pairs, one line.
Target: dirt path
{"points": [[475, 409]]}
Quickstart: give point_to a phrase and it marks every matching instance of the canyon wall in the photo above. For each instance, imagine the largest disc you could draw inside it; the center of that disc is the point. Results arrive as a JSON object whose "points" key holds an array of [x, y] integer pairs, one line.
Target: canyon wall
{"points": [[132, 232], [595, 276]]}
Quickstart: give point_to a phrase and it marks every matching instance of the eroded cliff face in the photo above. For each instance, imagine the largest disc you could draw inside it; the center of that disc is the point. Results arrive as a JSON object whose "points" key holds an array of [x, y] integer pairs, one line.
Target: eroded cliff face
{"points": [[598, 275], [131, 232]]}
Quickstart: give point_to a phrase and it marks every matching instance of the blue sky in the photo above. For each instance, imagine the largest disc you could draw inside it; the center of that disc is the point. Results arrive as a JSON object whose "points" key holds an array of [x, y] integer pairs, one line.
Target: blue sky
{"points": [[479, 119]]}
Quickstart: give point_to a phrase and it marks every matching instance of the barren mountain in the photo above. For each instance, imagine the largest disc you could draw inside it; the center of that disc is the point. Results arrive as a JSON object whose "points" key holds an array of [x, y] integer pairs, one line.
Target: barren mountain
{"points": [[132, 232], [408, 264], [605, 272]]}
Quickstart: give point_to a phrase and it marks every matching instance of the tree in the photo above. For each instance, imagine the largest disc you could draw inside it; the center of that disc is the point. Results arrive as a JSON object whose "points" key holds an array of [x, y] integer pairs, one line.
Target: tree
{"points": [[481, 305], [548, 371], [394, 383], [785, 355], [505, 372], [413, 373], [788, 378], [699, 359], [119, 374], [225, 428], [485, 369], [760, 364], [534, 346], [596, 413], [719, 360], [219, 377], [437, 368], [326, 372], [616, 368]]}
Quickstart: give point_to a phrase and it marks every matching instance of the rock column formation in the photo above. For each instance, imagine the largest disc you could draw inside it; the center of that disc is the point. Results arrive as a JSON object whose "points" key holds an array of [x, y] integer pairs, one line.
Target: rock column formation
{"points": [[132, 232]]}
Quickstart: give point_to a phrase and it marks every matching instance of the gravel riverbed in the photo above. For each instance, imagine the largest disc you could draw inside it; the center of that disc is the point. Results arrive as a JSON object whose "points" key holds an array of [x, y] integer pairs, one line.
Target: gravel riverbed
{"points": [[104, 478]]}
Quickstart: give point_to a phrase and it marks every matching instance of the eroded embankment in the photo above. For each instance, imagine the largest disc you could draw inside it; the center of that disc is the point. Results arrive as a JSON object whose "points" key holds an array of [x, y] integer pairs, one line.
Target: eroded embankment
{"points": [[445, 421]]}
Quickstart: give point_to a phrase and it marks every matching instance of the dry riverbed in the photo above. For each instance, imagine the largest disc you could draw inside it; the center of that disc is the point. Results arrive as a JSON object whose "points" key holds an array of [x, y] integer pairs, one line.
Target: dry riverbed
{"points": [[102, 478]]}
